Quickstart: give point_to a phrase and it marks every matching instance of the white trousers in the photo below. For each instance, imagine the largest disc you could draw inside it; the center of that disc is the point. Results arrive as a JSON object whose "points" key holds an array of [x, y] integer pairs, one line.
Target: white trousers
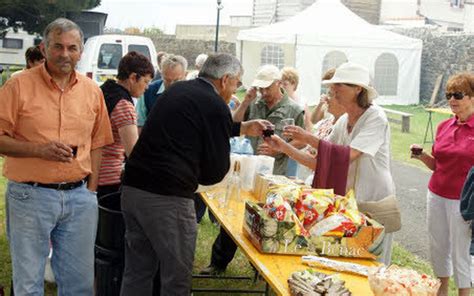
{"points": [[449, 239]]}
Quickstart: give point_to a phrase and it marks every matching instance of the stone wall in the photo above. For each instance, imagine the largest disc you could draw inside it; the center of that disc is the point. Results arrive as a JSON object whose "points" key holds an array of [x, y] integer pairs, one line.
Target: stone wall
{"points": [[190, 49], [369, 10], [444, 53]]}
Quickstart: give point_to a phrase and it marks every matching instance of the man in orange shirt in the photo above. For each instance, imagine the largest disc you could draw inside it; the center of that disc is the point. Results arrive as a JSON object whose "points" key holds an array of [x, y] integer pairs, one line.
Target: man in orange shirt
{"points": [[53, 123]]}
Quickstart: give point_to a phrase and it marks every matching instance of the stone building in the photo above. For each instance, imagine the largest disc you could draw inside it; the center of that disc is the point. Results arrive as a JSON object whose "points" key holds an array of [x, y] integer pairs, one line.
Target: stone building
{"points": [[444, 53], [272, 11]]}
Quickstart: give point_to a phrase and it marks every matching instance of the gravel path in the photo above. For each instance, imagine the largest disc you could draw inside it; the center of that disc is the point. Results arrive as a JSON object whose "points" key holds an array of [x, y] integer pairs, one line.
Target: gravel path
{"points": [[411, 183]]}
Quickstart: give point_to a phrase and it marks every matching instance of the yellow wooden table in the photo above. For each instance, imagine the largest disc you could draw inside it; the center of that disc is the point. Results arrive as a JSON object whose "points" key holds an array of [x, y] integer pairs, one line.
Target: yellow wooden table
{"points": [[429, 125], [275, 268]]}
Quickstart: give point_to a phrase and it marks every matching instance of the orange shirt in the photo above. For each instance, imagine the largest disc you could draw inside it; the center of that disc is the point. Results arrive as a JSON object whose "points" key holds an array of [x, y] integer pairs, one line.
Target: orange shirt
{"points": [[34, 109]]}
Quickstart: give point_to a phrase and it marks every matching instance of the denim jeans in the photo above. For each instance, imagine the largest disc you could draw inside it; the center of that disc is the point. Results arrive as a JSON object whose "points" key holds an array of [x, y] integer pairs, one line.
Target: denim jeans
{"points": [[68, 218]]}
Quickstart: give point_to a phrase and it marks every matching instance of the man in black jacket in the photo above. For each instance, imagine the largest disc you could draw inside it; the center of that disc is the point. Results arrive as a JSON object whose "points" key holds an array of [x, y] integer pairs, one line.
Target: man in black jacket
{"points": [[185, 142]]}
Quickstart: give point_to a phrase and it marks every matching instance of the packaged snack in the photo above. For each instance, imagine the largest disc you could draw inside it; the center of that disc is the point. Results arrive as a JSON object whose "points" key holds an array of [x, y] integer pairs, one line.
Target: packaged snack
{"points": [[277, 208], [335, 265], [313, 206], [347, 202], [335, 225], [289, 193], [310, 282]]}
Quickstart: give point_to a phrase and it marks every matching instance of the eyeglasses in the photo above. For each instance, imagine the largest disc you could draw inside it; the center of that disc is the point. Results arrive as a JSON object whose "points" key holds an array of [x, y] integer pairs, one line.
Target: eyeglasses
{"points": [[456, 95]]}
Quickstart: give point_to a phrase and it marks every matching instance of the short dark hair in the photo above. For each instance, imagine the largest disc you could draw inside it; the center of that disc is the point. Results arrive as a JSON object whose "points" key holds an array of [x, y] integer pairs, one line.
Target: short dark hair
{"points": [[33, 54], [62, 25], [134, 62]]}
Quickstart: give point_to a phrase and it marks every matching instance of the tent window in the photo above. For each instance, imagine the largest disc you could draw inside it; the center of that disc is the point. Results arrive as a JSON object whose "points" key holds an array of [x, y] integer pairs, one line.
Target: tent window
{"points": [[386, 74], [333, 59], [272, 55]]}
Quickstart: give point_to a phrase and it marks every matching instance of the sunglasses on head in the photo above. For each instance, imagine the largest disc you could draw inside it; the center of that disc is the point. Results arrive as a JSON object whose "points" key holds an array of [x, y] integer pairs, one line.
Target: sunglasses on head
{"points": [[456, 95]]}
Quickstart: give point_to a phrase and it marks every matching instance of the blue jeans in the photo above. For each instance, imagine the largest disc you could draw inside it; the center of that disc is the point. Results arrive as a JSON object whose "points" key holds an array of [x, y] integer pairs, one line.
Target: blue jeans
{"points": [[68, 218]]}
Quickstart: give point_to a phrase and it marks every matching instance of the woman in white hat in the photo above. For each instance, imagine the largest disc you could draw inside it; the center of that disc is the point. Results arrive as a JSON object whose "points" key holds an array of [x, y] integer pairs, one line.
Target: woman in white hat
{"points": [[364, 128]]}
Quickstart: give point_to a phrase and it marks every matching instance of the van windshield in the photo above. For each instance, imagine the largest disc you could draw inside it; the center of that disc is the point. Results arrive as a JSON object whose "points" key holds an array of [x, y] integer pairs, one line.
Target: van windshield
{"points": [[109, 56], [143, 49]]}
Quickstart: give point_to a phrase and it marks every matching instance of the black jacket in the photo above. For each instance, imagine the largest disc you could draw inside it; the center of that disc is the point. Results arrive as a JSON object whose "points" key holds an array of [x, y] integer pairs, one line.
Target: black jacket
{"points": [[184, 142]]}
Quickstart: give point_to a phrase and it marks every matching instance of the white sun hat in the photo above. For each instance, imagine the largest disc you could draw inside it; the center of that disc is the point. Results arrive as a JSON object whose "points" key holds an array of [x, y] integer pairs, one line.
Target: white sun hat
{"points": [[266, 75], [352, 73]]}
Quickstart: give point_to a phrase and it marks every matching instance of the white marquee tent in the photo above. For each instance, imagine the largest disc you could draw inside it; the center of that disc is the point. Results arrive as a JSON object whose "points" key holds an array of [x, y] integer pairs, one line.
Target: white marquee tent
{"points": [[327, 34]]}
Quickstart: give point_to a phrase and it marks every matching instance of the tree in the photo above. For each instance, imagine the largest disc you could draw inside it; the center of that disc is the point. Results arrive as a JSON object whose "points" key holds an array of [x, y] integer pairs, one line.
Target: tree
{"points": [[132, 31], [33, 15], [153, 32]]}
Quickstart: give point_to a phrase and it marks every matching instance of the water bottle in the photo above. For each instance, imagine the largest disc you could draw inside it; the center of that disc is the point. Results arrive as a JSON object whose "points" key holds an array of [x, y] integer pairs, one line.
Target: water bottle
{"points": [[246, 147], [235, 145]]}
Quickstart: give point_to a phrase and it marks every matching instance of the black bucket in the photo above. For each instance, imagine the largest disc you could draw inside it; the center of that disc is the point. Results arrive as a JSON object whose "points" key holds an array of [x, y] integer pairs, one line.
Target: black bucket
{"points": [[111, 228], [109, 248]]}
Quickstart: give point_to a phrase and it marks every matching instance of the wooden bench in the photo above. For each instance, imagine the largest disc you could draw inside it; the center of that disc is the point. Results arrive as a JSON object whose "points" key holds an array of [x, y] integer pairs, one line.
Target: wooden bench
{"points": [[404, 122]]}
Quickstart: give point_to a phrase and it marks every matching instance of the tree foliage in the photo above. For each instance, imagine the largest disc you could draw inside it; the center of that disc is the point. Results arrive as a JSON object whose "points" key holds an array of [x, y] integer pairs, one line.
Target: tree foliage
{"points": [[132, 31], [153, 32], [33, 15]]}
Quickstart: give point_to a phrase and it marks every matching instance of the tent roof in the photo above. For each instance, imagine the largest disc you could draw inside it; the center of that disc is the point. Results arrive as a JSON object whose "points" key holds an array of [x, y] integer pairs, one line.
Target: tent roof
{"points": [[329, 23]]}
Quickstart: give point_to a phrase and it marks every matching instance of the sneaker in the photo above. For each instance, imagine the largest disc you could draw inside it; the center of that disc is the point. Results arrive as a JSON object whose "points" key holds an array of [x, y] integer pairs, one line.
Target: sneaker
{"points": [[212, 270]]}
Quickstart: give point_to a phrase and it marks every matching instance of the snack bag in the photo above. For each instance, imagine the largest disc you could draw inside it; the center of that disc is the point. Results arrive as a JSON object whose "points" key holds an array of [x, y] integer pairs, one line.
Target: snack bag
{"points": [[334, 225], [289, 193], [355, 216], [314, 205], [347, 202], [277, 208]]}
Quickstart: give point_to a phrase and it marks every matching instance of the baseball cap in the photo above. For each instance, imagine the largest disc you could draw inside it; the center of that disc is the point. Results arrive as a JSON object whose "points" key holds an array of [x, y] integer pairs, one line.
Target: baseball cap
{"points": [[266, 75]]}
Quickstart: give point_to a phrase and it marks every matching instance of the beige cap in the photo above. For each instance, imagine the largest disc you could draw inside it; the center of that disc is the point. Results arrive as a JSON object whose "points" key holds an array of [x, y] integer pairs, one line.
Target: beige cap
{"points": [[266, 75]]}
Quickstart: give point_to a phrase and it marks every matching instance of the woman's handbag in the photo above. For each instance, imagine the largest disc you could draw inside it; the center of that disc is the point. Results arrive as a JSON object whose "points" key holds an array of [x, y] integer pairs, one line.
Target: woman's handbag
{"points": [[385, 211]]}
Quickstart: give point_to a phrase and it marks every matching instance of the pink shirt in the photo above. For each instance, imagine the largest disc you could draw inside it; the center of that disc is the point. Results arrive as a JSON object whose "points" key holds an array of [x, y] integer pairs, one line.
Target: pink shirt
{"points": [[453, 151]]}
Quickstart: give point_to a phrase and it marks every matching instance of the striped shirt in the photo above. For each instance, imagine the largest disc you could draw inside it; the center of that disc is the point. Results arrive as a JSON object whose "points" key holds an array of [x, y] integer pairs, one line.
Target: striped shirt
{"points": [[113, 155]]}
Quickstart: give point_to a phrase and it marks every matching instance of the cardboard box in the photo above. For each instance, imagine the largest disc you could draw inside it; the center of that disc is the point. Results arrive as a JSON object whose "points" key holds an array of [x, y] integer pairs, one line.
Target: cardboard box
{"points": [[271, 236]]}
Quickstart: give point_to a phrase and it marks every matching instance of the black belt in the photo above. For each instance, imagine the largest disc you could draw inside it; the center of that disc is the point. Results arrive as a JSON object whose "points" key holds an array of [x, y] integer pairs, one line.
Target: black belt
{"points": [[59, 186]]}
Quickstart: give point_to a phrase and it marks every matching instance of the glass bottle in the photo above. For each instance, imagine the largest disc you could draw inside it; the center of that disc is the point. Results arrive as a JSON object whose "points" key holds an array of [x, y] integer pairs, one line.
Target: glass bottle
{"points": [[232, 195]]}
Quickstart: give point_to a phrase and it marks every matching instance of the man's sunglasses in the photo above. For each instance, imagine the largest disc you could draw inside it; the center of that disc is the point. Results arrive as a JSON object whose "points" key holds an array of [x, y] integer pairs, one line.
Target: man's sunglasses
{"points": [[456, 95]]}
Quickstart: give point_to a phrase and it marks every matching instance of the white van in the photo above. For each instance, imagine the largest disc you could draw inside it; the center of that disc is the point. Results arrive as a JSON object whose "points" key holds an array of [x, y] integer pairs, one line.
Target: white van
{"points": [[102, 54]]}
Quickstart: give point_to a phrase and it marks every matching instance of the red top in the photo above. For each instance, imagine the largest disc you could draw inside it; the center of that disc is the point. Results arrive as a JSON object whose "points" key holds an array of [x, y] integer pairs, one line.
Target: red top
{"points": [[113, 155], [453, 151]]}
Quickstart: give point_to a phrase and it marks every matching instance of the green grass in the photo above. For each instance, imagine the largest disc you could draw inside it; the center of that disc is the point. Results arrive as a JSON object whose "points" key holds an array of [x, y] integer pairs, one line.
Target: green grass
{"points": [[240, 266], [401, 142], [3, 76]]}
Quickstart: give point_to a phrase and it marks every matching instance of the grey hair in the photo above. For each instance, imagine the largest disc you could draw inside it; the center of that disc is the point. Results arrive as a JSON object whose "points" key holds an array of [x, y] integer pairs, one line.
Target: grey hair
{"points": [[62, 25], [172, 61], [218, 65], [200, 60]]}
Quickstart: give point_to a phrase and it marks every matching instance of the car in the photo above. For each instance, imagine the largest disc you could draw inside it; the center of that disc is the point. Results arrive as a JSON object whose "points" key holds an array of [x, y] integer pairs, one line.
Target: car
{"points": [[102, 54]]}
